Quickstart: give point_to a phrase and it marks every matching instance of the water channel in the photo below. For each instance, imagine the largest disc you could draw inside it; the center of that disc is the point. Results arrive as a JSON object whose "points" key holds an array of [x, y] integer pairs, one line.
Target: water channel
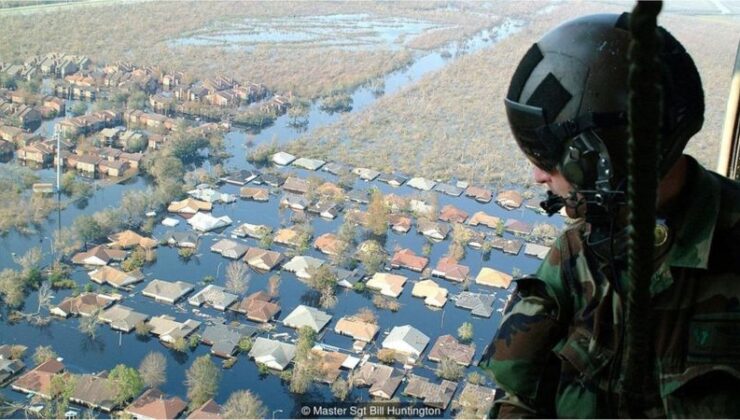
{"points": [[85, 355]]}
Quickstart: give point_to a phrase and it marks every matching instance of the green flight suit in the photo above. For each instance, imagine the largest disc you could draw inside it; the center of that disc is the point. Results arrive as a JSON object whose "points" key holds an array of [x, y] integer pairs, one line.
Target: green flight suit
{"points": [[558, 350]]}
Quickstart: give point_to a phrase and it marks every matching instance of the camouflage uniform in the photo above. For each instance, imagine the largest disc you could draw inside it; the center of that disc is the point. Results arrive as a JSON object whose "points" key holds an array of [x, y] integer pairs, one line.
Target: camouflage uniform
{"points": [[557, 351]]}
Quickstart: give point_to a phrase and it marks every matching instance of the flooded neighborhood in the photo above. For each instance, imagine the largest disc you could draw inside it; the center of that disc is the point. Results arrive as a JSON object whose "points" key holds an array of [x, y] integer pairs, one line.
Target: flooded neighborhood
{"points": [[184, 244]]}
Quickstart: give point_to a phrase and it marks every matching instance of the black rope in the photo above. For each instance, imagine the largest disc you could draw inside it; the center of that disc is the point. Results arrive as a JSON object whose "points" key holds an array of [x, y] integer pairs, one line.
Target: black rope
{"points": [[645, 113]]}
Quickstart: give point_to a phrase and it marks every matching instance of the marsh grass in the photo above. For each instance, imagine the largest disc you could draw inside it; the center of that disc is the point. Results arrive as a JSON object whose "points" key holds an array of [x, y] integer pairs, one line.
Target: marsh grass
{"points": [[451, 124]]}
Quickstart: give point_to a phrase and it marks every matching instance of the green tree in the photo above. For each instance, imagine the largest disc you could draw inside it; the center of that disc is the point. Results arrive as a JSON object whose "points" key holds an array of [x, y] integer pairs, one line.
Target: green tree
{"points": [[142, 328], [126, 382], [377, 214], [12, 288], [89, 324], [61, 388], [87, 228], [180, 345], [43, 354], [465, 332], [243, 405], [78, 108], [341, 389], [305, 365], [153, 370], [449, 369], [245, 344], [137, 100], [202, 380]]}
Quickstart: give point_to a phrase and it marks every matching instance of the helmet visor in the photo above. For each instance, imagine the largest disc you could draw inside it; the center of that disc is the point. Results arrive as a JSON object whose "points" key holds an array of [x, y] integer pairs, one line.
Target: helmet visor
{"points": [[530, 130]]}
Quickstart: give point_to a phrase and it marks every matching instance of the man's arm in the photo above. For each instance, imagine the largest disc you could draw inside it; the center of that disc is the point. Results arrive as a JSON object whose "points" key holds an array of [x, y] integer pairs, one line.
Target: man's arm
{"points": [[520, 357]]}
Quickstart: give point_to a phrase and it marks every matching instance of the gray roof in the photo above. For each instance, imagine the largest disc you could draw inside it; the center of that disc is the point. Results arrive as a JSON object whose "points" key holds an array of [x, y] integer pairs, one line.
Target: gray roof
{"points": [[336, 168], [359, 196], [366, 173], [280, 353], [240, 177], [225, 338], [122, 317], [449, 189], [393, 179], [283, 158], [310, 164], [178, 238], [303, 265], [229, 248], [421, 183], [215, 296], [166, 290], [307, 316], [406, 339], [478, 303]]}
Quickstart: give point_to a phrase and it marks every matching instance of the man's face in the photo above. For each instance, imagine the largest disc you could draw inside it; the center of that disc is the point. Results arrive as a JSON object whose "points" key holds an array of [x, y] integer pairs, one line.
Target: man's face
{"points": [[556, 182]]}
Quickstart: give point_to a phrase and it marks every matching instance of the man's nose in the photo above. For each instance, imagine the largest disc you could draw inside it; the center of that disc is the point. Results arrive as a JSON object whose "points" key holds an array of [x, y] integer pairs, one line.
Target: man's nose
{"points": [[540, 176]]}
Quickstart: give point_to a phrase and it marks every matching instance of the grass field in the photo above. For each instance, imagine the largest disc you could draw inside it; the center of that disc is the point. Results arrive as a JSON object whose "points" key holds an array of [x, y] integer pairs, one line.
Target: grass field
{"points": [[452, 123], [142, 33]]}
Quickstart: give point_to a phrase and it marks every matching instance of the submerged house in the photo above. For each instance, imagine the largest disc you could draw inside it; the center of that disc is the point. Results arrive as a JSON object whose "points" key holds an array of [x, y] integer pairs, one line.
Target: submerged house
{"points": [[257, 307], [310, 164], [122, 318], [433, 395], [95, 391], [303, 266], [262, 259], [230, 249], [38, 380], [307, 316], [494, 278], [282, 158], [129, 239], [98, 255], [406, 258], [482, 218], [153, 404], [213, 296], [406, 340], [272, 353], [167, 291], [448, 346], [86, 304], [452, 214], [448, 268], [205, 222], [115, 277], [189, 206], [433, 294], [356, 328], [224, 338], [480, 194], [433, 230], [254, 193], [422, 184], [383, 380], [252, 231], [387, 284], [169, 330], [478, 303], [509, 199], [181, 239]]}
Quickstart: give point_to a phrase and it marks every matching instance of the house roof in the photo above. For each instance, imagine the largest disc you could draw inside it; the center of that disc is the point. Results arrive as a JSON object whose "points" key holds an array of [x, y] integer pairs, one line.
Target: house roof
{"points": [[481, 396], [329, 363], [129, 239], [480, 194], [485, 219], [448, 268], [38, 379], [98, 255], [433, 230], [258, 307], [225, 337], [433, 294], [229, 248], [395, 180], [156, 405], [448, 189], [509, 199], [310, 164], [536, 250], [356, 328], [335, 168], [450, 213], [479, 304], [387, 284], [262, 259], [254, 193], [490, 277], [296, 185], [169, 329], [253, 231], [510, 246], [433, 395], [383, 380], [169, 291], [303, 266], [400, 223], [85, 304], [282, 158], [406, 339], [421, 183], [189, 206], [272, 352], [303, 316], [209, 410], [406, 258], [181, 238], [287, 236], [448, 346], [205, 222], [122, 317], [95, 391], [212, 295], [327, 243], [115, 277], [366, 173], [517, 226]]}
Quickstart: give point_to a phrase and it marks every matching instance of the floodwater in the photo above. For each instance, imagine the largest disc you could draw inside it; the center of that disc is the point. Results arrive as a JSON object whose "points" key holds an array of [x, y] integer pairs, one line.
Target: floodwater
{"points": [[85, 355]]}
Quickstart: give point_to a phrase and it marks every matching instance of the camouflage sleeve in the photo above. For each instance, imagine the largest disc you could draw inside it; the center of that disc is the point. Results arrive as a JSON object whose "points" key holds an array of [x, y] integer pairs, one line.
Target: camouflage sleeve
{"points": [[520, 356]]}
